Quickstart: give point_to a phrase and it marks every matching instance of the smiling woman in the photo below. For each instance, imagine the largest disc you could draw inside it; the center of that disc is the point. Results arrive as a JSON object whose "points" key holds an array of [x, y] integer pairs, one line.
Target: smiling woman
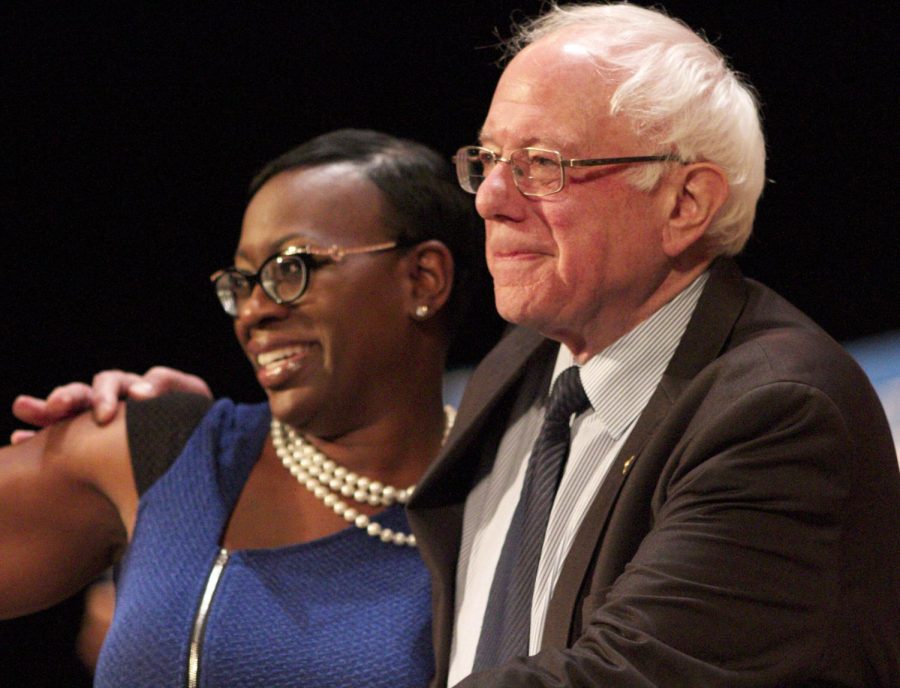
{"points": [[265, 545]]}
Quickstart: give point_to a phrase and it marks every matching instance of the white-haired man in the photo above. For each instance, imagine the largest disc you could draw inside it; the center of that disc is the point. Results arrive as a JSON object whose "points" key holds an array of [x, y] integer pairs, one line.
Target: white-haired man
{"points": [[727, 512], [721, 506]]}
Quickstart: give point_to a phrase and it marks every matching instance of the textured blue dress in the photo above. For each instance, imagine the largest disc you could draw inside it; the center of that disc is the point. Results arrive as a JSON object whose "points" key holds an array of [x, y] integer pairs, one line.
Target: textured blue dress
{"points": [[344, 611]]}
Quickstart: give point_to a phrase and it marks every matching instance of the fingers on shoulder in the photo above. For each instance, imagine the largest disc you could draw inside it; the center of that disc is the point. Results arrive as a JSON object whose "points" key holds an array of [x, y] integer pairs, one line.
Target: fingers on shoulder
{"points": [[110, 385], [163, 379]]}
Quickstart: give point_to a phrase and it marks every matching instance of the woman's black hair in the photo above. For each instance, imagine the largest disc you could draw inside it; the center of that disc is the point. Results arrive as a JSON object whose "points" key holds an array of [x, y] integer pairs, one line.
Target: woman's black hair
{"points": [[424, 202]]}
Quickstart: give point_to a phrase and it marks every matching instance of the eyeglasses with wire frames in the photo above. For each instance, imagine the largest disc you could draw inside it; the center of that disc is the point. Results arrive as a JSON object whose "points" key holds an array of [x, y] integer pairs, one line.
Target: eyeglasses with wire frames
{"points": [[283, 276], [535, 171]]}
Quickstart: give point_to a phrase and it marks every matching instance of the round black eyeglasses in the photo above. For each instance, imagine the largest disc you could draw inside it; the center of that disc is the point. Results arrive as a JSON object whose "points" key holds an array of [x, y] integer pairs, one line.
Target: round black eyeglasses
{"points": [[284, 276]]}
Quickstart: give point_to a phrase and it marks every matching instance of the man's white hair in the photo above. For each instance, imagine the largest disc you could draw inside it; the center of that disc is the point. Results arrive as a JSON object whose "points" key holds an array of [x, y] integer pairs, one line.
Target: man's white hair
{"points": [[679, 92]]}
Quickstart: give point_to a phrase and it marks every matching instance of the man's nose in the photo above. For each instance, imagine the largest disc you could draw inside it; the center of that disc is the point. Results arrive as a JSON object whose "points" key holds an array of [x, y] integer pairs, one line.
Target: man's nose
{"points": [[498, 194]]}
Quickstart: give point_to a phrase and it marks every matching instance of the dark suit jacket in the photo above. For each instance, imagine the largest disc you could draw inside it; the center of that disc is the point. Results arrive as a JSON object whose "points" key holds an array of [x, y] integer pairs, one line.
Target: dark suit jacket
{"points": [[746, 535]]}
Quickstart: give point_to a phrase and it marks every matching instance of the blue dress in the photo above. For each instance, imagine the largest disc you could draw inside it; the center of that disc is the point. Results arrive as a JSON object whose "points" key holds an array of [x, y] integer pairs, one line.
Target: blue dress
{"points": [[344, 611]]}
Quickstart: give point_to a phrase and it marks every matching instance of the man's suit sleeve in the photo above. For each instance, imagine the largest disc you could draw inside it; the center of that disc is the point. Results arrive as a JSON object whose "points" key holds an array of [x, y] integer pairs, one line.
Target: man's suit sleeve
{"points": [[742, 568]]}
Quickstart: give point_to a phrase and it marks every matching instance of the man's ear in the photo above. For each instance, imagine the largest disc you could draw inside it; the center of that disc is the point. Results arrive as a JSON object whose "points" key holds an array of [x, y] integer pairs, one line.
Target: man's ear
{"points": [[430, 278], [700, 190]]}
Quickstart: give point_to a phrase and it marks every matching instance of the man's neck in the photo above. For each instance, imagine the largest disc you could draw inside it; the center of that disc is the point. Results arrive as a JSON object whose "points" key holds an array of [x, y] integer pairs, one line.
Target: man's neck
{"points": [[608, 326]]}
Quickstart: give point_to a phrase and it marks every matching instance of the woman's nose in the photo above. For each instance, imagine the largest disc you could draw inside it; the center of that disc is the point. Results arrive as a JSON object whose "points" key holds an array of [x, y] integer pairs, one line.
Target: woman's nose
{"points": [[257, 307]]}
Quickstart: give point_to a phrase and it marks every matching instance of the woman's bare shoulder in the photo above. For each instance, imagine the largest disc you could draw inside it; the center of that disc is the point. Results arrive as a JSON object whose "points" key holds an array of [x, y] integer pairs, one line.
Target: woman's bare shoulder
{"points": [[67, 508]]}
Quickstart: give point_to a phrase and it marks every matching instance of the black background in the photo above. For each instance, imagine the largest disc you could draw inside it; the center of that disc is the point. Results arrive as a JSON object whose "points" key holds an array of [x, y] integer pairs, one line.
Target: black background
{"points": [[130, 134]]}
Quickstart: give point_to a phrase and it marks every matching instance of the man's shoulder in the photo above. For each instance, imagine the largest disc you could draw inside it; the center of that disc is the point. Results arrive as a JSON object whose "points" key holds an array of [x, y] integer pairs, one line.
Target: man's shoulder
{"points": [[783, 343], [779, 370], [746, 338]]}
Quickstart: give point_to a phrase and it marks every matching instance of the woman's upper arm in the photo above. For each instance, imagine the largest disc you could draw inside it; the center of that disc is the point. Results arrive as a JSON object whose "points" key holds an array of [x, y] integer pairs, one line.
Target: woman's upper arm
{"points": [[67, 507]]}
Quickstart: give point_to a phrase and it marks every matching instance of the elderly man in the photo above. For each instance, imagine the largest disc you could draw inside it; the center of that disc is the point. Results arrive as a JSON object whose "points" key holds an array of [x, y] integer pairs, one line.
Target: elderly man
{"points": [[665, 475], [727, 513]]}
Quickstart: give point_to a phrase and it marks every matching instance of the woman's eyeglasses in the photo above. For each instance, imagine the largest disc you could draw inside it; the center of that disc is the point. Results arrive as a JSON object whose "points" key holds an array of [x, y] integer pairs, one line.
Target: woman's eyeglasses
{"points": [[284, 276]]}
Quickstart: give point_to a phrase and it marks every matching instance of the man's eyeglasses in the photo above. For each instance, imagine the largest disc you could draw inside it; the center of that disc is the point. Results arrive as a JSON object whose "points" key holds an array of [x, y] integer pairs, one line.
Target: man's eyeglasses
{"points": [[284, 276], [536, 171]]}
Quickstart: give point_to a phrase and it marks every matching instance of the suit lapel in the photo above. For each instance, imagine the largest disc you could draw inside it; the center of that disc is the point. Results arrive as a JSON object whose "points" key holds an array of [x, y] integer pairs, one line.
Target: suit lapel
{"points": [[436, 508], [496, 374], [707, 332]]}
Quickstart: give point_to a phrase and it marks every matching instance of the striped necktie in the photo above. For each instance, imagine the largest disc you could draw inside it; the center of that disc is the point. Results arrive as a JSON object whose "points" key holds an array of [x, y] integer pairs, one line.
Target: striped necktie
{"points": [[507, 623]]}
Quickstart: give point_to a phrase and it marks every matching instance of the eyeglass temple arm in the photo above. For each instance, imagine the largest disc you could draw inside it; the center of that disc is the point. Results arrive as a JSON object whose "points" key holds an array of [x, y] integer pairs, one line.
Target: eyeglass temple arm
{"points": [[594, 162], [335, 252]]}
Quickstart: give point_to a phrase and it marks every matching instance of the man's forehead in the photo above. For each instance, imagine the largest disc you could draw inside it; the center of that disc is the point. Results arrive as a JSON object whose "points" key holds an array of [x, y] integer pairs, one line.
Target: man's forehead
{"points": [[565, 50], [559, 56], [550, 95]]}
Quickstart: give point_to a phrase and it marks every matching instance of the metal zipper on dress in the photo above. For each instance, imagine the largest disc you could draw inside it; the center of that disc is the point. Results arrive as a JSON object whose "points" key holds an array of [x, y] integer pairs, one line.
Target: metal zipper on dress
{"points": [[212, 582]]}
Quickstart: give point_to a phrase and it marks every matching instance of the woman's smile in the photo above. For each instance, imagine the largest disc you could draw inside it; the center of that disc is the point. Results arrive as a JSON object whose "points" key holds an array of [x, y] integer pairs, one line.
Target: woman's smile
{"points": [[276, 366]]}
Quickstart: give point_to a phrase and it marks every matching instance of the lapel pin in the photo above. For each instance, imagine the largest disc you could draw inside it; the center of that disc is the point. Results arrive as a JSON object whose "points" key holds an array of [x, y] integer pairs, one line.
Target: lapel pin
{"points": [[627, 464]]}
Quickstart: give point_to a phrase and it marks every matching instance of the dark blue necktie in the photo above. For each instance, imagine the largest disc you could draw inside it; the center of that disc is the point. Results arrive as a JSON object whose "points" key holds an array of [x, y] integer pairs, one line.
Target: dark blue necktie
{"points": [[507, 622]]}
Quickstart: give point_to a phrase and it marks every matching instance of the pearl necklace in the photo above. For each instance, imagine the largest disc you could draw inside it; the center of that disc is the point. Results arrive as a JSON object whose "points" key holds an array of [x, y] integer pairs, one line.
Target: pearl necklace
{"points": [[331, 483]]}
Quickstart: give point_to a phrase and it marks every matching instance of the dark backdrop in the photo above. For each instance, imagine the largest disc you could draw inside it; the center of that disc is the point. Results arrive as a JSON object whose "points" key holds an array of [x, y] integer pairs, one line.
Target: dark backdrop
{"points": [[130, 135]]}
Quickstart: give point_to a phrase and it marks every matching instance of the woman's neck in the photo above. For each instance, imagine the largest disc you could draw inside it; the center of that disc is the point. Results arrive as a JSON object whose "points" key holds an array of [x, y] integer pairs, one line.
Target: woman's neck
{"points": [[393, 445]]}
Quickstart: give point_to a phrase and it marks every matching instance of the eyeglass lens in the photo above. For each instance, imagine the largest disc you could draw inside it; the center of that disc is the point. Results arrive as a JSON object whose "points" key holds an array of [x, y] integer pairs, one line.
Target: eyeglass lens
{"points": [[282, 278], [535, 171]]}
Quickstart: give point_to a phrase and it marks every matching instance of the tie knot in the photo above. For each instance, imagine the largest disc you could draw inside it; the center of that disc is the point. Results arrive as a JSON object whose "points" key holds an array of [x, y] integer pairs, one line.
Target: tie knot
{"points": [[567, 396]]}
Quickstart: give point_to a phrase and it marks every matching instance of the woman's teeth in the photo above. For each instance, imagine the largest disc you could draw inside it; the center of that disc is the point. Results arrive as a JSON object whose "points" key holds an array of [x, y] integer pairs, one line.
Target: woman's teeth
{"points": [[269, 357]]}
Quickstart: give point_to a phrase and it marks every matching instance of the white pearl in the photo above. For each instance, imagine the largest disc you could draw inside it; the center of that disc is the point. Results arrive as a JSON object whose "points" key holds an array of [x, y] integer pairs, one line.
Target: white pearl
{"points": [[324, 478]]}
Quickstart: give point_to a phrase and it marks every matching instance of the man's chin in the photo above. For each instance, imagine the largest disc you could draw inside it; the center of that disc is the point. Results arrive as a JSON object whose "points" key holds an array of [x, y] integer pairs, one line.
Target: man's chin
{"points": [[516, 306]]}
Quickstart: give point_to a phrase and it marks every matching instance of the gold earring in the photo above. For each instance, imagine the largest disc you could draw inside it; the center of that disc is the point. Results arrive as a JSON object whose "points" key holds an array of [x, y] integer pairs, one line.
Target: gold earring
{"points": [[422, 311]]}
